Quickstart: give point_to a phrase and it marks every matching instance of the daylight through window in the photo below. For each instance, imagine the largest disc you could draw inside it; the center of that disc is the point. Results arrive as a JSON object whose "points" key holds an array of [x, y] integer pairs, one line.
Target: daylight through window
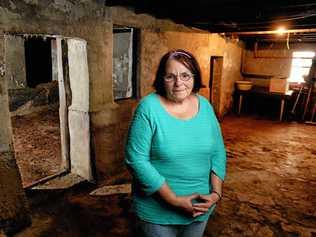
{"points": [[301, 63]]}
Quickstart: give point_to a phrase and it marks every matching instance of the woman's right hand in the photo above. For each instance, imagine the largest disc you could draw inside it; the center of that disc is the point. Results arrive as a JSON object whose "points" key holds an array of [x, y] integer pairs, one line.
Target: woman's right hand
{"points": [[184, 203]]}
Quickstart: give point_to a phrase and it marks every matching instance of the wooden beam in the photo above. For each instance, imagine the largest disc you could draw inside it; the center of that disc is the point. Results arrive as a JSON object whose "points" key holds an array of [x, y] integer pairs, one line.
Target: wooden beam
{"points": [[267, 32]]}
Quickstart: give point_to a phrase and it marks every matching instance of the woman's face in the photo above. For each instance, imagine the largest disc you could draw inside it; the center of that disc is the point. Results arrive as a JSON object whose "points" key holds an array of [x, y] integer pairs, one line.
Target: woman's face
{"points": [[178, 81]]}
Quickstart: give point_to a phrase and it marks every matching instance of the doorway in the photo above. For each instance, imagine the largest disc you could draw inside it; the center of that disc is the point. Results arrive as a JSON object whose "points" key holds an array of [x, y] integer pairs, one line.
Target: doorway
{"points": [[48, 88], [216, 68]]}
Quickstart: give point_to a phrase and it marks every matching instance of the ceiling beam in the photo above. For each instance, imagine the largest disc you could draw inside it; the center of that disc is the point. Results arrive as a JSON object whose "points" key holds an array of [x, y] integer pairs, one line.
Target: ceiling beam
{"points": [[267, 32]]}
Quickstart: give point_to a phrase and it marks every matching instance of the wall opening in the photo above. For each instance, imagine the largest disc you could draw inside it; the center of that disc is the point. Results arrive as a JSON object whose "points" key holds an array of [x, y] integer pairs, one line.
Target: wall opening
{"points": [[125, 50], [216, 68], [34, 107], [48, 98], [301, 64]]}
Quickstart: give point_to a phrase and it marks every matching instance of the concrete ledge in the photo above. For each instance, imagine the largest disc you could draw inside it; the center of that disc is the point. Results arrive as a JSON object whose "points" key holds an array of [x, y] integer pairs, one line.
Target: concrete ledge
{"points": [[60, 182], [111, 190]]}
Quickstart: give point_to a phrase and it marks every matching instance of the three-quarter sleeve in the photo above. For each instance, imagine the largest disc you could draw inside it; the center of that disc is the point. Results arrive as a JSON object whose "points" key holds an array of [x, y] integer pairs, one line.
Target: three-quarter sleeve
{"points": [[137, 153], [218, 156]]}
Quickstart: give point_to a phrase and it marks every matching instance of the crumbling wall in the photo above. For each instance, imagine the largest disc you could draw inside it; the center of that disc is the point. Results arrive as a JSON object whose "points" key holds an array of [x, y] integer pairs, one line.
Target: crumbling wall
{"points": [[13, 205], [94, 23], [82, 19], [14, 52]]}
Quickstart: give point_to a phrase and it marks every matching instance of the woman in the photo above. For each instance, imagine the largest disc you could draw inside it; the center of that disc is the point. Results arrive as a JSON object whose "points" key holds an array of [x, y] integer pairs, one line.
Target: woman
{"points": [[175, 152]]}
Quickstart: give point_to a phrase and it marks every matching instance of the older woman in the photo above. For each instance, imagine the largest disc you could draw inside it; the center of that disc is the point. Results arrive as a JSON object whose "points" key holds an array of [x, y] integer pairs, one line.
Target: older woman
{"points": [[175, 152]]}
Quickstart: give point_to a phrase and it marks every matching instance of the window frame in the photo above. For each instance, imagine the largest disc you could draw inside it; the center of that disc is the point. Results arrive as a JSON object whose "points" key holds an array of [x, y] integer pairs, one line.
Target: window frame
{"points": [[135, 62]]}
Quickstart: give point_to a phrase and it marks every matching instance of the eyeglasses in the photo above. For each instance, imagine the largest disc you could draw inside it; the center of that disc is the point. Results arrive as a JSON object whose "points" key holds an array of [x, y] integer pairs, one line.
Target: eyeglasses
{"points": [[184, 76]]}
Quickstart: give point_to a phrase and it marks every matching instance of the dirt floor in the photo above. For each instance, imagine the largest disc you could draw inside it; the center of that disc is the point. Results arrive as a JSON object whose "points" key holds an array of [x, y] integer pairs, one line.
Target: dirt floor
{"points": [[37, 145], [270, 190]]}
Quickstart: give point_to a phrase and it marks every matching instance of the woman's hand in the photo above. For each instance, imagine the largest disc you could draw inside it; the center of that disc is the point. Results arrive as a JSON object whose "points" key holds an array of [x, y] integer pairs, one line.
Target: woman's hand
{"points": [[185, 203], [204, 204]]}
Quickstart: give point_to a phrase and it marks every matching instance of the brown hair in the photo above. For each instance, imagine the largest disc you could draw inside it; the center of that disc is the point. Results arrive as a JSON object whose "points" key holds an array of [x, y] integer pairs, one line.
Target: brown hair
{"points": [[184, 57]]}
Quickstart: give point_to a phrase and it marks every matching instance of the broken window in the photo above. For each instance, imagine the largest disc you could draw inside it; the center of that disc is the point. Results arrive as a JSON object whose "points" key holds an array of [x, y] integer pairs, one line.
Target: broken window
{"points": [[124, 63]]}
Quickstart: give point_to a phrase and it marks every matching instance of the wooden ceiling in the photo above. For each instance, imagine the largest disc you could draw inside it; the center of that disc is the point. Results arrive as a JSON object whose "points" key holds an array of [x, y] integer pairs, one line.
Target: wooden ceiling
{"points": [[246, 19]]}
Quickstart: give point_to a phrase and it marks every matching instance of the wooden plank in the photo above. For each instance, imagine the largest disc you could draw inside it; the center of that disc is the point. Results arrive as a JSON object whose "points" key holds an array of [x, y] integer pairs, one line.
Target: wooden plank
{"points": [[78, 112], [78, 74], [63, 108], [79, 131]]}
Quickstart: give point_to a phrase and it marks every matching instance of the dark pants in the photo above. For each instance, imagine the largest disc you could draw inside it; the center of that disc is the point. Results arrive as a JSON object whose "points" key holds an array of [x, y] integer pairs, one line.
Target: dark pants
{"points": [[195, 229]]}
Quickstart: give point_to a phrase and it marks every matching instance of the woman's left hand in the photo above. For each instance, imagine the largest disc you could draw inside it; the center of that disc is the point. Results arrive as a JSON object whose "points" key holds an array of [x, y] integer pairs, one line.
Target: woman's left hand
{"points": [[204, 204]]}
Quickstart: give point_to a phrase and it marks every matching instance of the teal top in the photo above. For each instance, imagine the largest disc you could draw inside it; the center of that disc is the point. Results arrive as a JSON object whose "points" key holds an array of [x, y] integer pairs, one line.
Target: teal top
{"points": [[162, 148]]}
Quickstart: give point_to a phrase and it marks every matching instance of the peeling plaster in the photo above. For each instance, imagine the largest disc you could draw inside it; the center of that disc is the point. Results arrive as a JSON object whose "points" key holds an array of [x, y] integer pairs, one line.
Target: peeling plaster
{"points": [[12, 5], [121, 72], [2, 70], [4, 147], [63, 6], [33, 2], [6, 16]]}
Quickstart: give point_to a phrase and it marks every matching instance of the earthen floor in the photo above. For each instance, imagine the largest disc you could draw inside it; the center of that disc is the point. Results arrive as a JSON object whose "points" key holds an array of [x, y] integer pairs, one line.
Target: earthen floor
{"points": [[270, 190], [37, 145]]}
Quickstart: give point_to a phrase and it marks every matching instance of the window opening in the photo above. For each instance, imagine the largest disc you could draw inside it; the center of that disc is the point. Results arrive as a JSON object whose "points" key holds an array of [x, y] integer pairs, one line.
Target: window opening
{"points": [[125, 63], [301, 64]]}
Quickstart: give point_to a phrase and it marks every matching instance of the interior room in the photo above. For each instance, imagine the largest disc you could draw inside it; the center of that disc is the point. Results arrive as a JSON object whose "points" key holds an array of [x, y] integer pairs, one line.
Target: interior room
{"points": [[73, 72]]}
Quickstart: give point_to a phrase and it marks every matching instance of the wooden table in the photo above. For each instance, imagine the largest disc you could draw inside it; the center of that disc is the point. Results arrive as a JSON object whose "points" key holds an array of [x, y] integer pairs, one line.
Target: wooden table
{"points": [[263, 91]]}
